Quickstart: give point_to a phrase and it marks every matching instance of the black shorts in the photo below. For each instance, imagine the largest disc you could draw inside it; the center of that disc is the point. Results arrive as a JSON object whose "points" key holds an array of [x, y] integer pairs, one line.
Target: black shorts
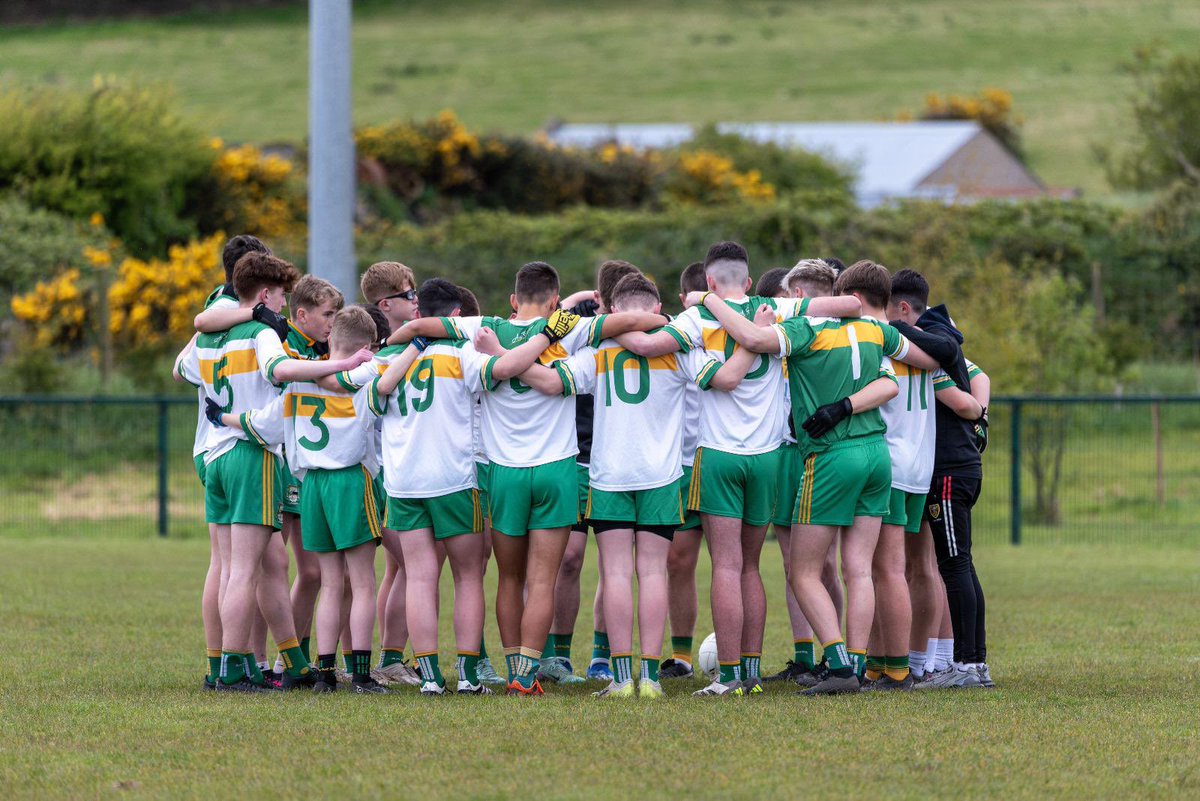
{"points": [[600, 526]]}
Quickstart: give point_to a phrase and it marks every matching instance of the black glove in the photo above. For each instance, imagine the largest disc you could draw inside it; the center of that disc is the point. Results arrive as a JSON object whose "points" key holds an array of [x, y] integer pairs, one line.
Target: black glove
{"points": [[981, 431], [320, 349], [826, 417], [273, 320], [213, 412]]}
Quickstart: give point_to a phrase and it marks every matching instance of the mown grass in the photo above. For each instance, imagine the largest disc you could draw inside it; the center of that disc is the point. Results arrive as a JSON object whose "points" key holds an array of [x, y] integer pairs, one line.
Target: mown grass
{"points": [[1089, 647], [517, 65]]}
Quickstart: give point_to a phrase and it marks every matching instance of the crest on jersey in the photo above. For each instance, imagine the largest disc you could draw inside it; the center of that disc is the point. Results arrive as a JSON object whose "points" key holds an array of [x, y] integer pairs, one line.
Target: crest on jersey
{"points": [[293, 496], [935, 510]]}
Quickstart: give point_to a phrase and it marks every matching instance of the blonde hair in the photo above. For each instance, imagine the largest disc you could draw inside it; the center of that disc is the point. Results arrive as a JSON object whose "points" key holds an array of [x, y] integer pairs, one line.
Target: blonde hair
{"points": [[814, 273], [353, 328], [310, 292], [385, 278]]}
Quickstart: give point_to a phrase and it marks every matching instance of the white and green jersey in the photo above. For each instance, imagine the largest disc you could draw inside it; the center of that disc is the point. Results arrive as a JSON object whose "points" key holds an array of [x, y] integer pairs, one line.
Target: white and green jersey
{"points": [[236, 368], [189, 372], [320, 429], [522, 427], [691, 421], [911, 427], [750, 419], [637, 428], [355, 379], [427, 444]]}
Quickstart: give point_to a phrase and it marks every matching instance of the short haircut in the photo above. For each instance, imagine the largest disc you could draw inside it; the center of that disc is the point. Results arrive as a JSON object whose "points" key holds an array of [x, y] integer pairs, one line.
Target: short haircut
{"points": [[727, 264], [437, 297], [609, 275], [770, 283], [911, 286], [868, 279], [814, 275], [256, 270], [692, 278], [470, 303], [384, 279], [636, 288], [837, 264], [353, 328], [537, 282], [237, 247], [383, 329], [310, 292]]}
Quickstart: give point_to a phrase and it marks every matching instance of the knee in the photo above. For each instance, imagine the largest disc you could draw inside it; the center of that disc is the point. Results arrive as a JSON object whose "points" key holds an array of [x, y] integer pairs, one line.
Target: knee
{"points": [[308, 574], [571, 566], [680, 564]]}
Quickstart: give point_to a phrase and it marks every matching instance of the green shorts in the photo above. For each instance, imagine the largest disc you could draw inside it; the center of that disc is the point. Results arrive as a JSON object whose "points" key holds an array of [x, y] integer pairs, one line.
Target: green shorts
{"points": [[732, 485], [198, 460], [291, 489], [448, 515], [581, 523], [691, 520], [656, 507], [905, 509], [852, 479], [545, 496], [482, 471], [788, 484], [243, 486], [339, 509]]}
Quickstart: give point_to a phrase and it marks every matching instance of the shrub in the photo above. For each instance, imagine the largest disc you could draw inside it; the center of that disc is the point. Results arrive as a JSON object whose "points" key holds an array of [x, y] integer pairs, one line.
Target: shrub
{"points": [[786, 169], [35, 243], [992, 108], [121, 150]]}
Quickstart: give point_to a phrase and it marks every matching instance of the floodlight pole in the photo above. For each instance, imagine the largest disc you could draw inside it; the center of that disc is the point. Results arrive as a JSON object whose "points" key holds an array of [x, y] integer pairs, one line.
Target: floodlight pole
{"points": [[330, 147]]}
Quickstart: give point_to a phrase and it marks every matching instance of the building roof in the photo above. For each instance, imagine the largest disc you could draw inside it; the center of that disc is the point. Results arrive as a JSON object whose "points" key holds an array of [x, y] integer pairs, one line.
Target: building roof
{"points": [[890, 159]]}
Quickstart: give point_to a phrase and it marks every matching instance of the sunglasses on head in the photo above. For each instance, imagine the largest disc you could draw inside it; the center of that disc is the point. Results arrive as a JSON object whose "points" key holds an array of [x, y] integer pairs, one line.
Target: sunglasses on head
{"points": [[408, 294]]}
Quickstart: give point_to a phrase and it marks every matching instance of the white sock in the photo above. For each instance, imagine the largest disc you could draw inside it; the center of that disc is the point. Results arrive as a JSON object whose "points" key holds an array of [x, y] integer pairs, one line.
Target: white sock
{"points": [[931, 655], [916, 663], [278, 664], [265, 667], [945, 653]]}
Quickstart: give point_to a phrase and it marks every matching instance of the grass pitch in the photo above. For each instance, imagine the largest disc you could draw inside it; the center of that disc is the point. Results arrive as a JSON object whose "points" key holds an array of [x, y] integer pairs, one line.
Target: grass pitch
{"points": [[1092, 648], [516, 65]]}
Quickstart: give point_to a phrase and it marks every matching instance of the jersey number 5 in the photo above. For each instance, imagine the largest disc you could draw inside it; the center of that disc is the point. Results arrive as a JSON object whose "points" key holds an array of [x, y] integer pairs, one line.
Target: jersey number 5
{"points": [[221, 384]]}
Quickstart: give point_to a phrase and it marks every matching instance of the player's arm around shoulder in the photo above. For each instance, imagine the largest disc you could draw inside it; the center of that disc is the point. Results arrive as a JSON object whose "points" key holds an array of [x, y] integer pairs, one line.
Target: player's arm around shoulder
{"points": [[264, 426], [386, 383], [730, 374], [961, 403], [743, 331]]}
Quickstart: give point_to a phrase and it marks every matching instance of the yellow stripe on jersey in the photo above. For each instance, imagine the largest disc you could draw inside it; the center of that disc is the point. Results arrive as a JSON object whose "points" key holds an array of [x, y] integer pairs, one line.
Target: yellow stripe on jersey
{"points": [[303, 405], [605, 358], [553, 354], [444, 366], [902, 369], [236, 363], [832, 338], [715, 339]]}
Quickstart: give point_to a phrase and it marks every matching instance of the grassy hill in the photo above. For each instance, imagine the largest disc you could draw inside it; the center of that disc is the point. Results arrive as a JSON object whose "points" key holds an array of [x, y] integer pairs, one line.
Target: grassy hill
{"points": [[515, 65]]}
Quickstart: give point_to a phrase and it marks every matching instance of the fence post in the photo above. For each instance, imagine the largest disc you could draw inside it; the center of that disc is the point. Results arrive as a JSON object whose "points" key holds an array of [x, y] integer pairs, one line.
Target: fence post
{"points": [[163, 495], [1015, 474]]}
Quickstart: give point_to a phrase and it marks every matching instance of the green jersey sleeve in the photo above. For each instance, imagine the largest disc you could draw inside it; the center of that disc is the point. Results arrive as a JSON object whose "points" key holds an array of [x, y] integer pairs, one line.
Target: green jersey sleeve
{"points": [[795, 335]]}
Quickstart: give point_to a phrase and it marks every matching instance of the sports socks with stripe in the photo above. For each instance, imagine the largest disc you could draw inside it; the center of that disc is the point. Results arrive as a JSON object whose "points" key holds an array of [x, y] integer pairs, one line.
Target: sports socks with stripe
{"points": [[649, 667], [562, 645], [805, 653], [750, 666], [214, 664], [528, 660], [681, 649], [294, 660], [729, 672], [390, 656], [622, 668], [428, 665], [467, 666], [361, 665]]}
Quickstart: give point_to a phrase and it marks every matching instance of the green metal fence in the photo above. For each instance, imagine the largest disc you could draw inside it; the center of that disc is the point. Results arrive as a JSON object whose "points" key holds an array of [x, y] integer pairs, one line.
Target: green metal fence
{"points": [[1058, 470]]}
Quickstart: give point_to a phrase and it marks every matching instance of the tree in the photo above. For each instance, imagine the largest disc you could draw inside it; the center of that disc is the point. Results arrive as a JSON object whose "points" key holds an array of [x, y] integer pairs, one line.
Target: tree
{"points": [[1165, 147]]}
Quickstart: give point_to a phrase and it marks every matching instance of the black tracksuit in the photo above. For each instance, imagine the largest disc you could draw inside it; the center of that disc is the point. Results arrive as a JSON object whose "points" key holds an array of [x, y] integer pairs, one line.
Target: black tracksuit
{"points": [[957, 476]]}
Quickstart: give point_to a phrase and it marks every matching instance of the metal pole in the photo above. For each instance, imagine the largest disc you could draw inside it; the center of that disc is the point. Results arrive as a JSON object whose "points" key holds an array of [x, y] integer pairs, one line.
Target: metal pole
{"points": [[331, 147], [163, 494], [1156, 423], [1015, 474]]}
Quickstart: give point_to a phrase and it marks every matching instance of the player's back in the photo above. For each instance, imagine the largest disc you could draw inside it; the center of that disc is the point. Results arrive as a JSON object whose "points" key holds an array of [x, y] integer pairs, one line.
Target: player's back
{"points": [[428, 444], [329, 429], [911, 427], [236, 367]]}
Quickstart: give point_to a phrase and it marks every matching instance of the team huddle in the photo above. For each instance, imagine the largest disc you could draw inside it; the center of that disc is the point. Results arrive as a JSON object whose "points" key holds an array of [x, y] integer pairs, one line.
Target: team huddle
{"points": [[417, 424]]}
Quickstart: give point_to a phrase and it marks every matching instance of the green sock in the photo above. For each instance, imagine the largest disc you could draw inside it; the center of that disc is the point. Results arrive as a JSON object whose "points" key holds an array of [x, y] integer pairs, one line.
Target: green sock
{"points": [[681, 649], [622, 667], [294, 660], [730, 672], [806, 654], [348, 661], [214, 665], [304, 643], [600, 649], [562, 645], [390, 656], [232, 668], [896, 667], [527, 669], [548, 649], [749, 665], [510, 662], [253, 671], [482, 648], [362, 666], [836, 655], [649, 667], [429, 668], [468, 667], [859, 657]]}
